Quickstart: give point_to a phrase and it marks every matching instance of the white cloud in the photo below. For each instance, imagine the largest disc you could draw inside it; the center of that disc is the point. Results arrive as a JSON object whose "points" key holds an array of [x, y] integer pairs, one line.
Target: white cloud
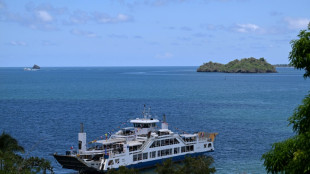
{"points": [[18, 43], [297, 23], [32, 7], [47, 43], [79, 17], [82, 17], [44, 16], [83, 33], [105, 18], [122, 17], [166, 55], [39, 17], [156, 3], [246, 28], [119, 36]]}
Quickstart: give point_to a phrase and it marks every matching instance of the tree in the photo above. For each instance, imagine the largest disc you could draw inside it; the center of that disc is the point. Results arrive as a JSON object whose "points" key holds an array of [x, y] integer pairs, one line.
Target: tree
{"points": [[198, 165], [300, 54], [123, 170], [8, 144], [8, 147], [11, 162], [166, 168], [293, 154]]}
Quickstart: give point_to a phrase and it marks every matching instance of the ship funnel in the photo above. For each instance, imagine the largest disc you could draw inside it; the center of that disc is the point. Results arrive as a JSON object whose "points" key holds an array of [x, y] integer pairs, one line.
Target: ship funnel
{"points": [[164, 124], [82, 139]]}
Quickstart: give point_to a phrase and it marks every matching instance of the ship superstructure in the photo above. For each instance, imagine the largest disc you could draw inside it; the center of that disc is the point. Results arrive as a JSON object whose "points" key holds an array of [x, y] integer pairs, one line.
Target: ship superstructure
{"points": [[141, 146]]}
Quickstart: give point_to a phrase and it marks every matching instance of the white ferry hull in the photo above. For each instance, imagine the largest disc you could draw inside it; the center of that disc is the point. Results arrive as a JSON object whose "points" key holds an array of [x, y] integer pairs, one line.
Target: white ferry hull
{"points": [[150, 164], [73, 162]]}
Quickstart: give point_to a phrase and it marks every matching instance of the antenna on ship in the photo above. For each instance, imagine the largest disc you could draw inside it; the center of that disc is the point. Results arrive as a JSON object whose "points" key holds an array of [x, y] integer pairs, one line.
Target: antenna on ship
{"points": [[164, 124], [81, 128], [149, 113], [144, 113]]}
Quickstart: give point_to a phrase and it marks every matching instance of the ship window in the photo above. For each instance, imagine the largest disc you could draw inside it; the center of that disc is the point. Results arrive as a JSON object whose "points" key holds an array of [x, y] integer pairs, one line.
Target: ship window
{"points": [[161, 133], [153, 154], [176, 150], [167, 142], [134, 148], [157, 143], [110, 162], [117, 161], [189, 139], [139, 156], [162, 143], [163, 152], [145, 125], [158, 154], [135, 157], [80, 145], [144, 156], [137, 125], [183, 149], [189, 148], [209, 145]]}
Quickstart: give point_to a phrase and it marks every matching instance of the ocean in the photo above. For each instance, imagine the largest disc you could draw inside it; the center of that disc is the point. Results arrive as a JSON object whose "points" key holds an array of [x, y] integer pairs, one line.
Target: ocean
{"points": [[43, 109]]}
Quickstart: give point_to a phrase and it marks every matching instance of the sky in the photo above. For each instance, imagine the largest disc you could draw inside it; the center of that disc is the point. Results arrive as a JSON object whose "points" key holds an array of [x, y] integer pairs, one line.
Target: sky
{"points": [[58, 33]]}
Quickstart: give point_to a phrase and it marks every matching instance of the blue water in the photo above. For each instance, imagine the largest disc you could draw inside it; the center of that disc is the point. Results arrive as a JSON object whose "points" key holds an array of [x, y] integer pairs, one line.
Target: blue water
{"points": [[43, 109]]}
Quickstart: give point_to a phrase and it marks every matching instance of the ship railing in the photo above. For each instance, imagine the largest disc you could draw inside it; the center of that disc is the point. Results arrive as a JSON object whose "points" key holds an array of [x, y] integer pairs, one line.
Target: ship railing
{"points": [[180, 138], [71, 153], [207, 136], [204, 139], [130, 138], [114, 152]]}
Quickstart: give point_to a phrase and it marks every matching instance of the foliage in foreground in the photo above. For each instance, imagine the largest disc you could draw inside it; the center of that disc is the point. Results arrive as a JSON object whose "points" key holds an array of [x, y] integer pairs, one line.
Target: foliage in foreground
{"points": [[198, 165], [293, 154], [123, 170], [246, 65], [11, 162], [300, 54]]}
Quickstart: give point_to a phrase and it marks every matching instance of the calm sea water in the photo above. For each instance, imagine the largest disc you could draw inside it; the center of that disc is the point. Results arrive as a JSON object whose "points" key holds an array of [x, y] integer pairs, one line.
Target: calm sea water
{"points": [[43, 109]]}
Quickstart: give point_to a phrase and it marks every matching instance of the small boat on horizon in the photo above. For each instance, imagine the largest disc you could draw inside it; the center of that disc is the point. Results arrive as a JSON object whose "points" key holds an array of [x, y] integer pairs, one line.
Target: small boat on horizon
{"points": [[142, 146]]}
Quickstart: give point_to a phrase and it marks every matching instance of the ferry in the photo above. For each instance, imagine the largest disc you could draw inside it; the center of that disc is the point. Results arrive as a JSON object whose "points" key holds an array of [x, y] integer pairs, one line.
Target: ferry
{"points": [[142, 146]]}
